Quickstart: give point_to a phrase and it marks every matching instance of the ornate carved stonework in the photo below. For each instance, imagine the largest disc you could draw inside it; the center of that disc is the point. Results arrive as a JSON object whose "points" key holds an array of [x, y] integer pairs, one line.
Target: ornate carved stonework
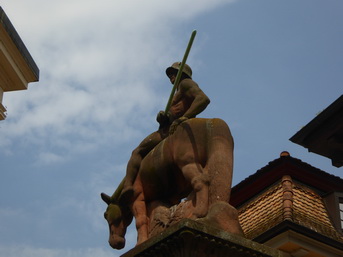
{"points": [[190, 238]]}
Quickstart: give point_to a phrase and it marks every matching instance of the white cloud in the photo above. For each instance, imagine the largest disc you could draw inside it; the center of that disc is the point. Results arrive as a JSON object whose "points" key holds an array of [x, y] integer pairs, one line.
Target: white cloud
{"points": [[99, 62], [49, 158], [8, 212]]}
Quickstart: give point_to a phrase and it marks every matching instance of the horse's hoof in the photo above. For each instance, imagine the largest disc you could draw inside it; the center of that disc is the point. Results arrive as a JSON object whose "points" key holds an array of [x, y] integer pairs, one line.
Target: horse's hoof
{"points": [[126, 196]]}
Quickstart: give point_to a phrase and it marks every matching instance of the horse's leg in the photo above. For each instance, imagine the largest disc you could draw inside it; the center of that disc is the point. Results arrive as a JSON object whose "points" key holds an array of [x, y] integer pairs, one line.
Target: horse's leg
{"points": [[219, 161], [140, 212], [194, 173]]}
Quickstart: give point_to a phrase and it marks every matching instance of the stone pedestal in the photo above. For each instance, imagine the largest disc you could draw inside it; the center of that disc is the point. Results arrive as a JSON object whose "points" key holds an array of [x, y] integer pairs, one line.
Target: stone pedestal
{"points": [[193, 239]]}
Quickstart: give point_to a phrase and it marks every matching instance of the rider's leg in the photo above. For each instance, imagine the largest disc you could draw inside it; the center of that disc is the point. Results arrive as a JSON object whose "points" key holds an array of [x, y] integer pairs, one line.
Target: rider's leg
{"points": [[134, 163]]}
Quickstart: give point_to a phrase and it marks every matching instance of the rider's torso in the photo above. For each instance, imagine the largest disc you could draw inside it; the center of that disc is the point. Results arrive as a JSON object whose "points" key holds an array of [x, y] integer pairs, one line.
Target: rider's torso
{"points": [[180, 105]]}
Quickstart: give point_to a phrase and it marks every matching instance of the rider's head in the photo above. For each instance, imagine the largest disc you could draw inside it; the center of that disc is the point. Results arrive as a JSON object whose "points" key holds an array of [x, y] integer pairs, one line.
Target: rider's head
{"points": [[173, 69]]}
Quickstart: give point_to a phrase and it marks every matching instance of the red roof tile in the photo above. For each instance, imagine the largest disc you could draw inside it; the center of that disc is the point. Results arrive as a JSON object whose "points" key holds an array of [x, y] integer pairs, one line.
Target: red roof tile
{"points": [[286, 200]]}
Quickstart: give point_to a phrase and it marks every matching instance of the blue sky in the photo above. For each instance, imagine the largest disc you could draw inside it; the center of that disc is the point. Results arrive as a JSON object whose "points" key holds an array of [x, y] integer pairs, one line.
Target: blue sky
{"points": [[268, 66]]}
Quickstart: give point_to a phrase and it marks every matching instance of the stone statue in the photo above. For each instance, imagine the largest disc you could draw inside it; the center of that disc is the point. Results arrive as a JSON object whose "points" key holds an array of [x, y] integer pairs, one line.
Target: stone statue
{"points": [[184, 170], [188, 101]]}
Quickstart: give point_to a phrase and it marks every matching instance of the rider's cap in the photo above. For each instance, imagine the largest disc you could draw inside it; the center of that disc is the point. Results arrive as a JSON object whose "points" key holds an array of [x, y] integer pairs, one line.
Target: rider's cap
{"points": [[176, 66]]}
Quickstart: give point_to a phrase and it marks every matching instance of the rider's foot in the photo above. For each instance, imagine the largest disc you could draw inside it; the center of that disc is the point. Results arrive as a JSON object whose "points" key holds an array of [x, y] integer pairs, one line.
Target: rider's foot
{"points": [[126, 195]]}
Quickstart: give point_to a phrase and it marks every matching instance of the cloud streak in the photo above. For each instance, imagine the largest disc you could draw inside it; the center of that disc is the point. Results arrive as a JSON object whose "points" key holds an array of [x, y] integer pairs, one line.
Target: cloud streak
{"points": [[99, 63], [102, 63], [101, 83]]}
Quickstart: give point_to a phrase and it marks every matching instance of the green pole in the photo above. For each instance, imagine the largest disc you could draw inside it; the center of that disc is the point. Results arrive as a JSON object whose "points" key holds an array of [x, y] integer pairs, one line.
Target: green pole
{"points": [[116, 194], [179, 73]]}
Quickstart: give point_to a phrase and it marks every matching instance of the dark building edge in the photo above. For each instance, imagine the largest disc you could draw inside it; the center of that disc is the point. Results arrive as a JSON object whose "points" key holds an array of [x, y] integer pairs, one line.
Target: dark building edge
{"points": [[6, 23]]}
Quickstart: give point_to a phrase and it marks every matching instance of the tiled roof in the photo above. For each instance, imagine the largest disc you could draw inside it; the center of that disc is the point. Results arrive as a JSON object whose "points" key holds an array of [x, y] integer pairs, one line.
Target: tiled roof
{"points": [[309, 211], [286, 200], [262, 213], [285, 165]]}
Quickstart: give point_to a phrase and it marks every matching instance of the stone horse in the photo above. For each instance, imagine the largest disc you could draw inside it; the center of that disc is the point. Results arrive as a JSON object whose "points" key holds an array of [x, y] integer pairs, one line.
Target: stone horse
{"points": [[187, 175]]}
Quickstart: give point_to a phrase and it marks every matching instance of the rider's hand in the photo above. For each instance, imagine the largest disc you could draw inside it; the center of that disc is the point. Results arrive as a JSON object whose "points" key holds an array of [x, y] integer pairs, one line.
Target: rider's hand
{"points": [[162, 118], [176, 123]]}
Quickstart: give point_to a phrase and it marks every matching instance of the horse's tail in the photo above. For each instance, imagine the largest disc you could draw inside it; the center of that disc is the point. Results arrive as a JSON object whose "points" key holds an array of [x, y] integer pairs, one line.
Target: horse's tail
{"points": [[220, 160]]}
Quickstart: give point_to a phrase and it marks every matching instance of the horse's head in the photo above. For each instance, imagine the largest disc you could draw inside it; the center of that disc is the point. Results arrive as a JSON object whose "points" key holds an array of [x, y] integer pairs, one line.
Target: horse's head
{"points": [[118, 219]]}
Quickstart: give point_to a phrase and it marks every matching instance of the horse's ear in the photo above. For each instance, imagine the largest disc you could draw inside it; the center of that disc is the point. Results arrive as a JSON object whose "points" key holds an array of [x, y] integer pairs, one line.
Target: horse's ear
{"points": [[106, 198]]}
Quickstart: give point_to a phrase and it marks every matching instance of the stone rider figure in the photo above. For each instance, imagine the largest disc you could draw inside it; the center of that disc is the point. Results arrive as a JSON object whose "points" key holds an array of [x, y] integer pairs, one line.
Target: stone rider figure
{"points": [[189, 100]]}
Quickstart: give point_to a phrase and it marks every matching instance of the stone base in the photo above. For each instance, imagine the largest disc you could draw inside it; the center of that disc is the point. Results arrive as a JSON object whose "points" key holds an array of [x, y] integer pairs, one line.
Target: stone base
{"points": [[189, 238]]}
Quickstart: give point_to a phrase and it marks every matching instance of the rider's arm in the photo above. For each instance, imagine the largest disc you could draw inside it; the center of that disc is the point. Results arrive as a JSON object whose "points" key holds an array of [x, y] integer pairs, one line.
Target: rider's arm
{"points": [[191, 90]]}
